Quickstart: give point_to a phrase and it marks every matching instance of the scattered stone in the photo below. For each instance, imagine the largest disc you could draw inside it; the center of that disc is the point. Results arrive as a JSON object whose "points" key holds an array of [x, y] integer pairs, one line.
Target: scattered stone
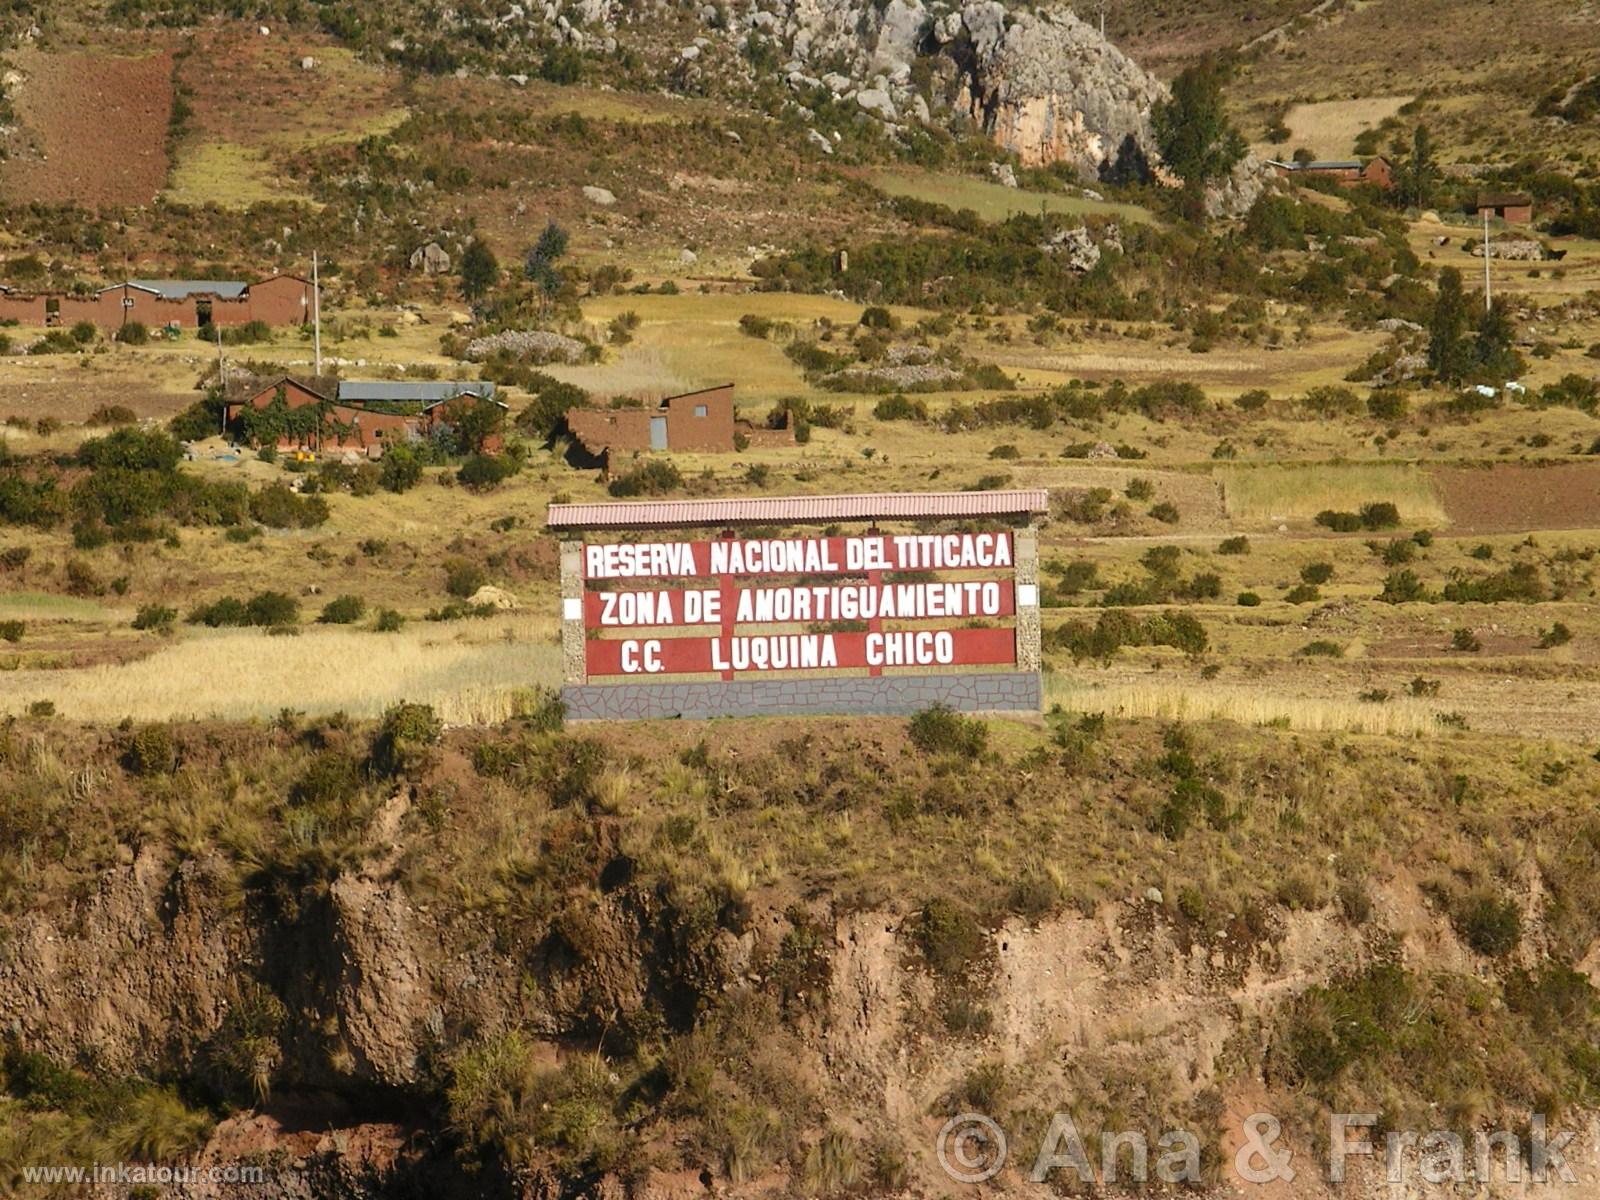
{"points": [[519, 79], [688, 257], [598, 195], [1003, 173], [1154, 896], [877, 101], [530, 345], [1077, 247], [494, 597], [819, 141], [1512, 250], [689, 53], [308, 63]]}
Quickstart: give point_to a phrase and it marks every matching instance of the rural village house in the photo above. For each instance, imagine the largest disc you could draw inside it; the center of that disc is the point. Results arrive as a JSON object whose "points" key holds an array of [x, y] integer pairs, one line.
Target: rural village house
{"points": [[356, 417], [698, 422], [1514, 208], [186, 303], [1379, 172]]}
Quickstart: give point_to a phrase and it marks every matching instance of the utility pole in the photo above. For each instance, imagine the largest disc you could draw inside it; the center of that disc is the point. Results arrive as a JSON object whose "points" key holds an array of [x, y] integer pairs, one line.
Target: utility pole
{"points": [[316, 317], [1488, 301], [222, 378]]}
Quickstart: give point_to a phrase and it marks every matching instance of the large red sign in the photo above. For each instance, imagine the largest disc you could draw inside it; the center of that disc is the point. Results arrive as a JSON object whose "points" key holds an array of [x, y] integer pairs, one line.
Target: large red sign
{"points": [[801, 603], [800, 651], [798, 556]]}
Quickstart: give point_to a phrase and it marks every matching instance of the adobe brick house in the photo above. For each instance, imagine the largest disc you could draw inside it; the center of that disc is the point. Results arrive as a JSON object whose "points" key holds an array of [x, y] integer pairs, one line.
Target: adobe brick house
{"points": [[186, 303], [1379, 172], [702, 422], [341, 428], [1514, 208]]}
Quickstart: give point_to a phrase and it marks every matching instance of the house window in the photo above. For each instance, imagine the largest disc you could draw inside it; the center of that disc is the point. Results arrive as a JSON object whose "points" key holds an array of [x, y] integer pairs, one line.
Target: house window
{"points": [[699, 410]]}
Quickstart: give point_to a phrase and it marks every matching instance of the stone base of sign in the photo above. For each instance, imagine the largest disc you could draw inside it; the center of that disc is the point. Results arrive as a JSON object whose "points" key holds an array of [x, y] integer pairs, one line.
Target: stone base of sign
{"points": [[1007, 691]]}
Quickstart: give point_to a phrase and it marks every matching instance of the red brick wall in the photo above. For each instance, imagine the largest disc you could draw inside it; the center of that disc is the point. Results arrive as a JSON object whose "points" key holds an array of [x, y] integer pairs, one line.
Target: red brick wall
{"points": [[619, 428]]}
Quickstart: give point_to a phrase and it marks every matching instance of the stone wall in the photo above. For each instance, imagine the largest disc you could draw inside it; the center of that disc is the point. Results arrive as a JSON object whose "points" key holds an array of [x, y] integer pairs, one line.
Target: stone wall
{"points": [[1000, 691]]}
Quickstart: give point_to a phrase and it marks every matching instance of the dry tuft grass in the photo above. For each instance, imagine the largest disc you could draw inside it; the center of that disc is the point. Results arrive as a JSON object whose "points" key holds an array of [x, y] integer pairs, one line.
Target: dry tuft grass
{"points": [[1300, 493], [472, 673], [1398, 718]]}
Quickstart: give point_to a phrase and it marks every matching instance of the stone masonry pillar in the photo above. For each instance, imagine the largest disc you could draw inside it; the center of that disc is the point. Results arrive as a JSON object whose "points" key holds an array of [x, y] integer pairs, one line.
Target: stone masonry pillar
{"points": [[1029, 647], [574, 669]]}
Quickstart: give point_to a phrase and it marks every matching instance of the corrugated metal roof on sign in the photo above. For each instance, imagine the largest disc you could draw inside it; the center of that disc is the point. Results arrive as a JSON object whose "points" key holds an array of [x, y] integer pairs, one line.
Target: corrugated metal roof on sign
{"points": [[777, 510]]}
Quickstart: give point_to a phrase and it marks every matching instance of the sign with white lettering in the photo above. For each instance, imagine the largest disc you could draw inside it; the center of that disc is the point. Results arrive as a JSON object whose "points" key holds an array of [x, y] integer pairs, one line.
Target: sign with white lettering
{"points": [[738, 607]]}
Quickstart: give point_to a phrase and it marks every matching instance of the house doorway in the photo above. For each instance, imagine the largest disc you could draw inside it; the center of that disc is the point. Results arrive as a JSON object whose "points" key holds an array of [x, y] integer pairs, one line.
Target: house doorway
{"points": [[658, 433]]}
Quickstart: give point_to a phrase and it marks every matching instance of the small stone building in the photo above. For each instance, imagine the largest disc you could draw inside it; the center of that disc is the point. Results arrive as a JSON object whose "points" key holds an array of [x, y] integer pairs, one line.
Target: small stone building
{"points": [[1379, 172], [701, 422]]}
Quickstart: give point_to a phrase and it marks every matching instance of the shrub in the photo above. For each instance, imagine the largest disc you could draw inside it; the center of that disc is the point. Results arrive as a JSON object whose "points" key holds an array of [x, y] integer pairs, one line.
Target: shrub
{"points": [[42, 708], [1490, 925], [152, 751], [1304, 593], [463, 578], [1253, 401], [1234, 545], [389, 621], [345, 610], [12, 631], [155, 616], [942, 730], [1339, 522], [1557, 635], [1249, 600], [134, 333], [1466, 641], [653, 477], [1322, 649], [1140, 490], [112, 414], [14, 558], [1316, 573], [84, 332], [1402, 587], [400, 470], [1166, 512], [1005, 451], [900, 407], [406, 738], [949, 936], [272, 608], [278, 507], [485, 472], [1379, 515]]}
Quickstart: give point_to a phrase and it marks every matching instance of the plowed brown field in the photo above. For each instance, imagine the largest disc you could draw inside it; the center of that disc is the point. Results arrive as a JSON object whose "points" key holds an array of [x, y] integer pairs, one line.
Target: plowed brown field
{"points": [[98, 124]]}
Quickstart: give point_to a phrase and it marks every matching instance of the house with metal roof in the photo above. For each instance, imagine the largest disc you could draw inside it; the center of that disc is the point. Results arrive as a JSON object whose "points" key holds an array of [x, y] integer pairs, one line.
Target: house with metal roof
{"points": [[185, 289], [415, 395], [1346, 172]]}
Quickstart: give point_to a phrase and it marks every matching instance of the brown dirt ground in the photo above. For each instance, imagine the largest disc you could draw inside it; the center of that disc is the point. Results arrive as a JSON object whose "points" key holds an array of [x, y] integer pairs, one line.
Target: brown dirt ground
{"points": [[73, 402], [99, 125], [1514, 498]]}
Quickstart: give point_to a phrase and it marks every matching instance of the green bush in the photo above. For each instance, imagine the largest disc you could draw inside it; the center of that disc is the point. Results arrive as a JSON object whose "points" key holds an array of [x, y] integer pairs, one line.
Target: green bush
{"points": [[1249, 600], [344, 610], [12, 631], [1321, 649], [152, 751], [1234, 545], [485, 472], [1316, 573], [400, 469], [1557, 635], [1466, 641], [653, 477], [389, 621], [900, 407], [278, 507], [155, 616], [942, 730], [1490, 925], [406, 738], [949, 936], [1402, 587], [1166, 512], [463, 578], [1339, 522], [134, 333], [1379, 515]]}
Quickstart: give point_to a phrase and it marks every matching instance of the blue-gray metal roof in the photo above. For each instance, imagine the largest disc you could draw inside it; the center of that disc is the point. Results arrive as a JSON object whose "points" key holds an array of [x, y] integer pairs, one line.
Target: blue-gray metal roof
{"points": [[182, 289], [367, 391]]}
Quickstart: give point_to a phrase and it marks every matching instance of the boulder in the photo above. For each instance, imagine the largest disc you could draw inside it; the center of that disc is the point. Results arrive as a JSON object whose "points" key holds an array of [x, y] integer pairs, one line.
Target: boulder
{"points": [[877, 102], [430, 259], [598, 195], [1003, 174]]}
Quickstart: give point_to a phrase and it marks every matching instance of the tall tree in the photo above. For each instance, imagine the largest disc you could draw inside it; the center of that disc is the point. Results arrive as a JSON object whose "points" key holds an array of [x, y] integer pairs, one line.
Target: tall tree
{"points": [[1419, 174], [1197, 141], [480, 271], [1450, 355], [540, 265]]}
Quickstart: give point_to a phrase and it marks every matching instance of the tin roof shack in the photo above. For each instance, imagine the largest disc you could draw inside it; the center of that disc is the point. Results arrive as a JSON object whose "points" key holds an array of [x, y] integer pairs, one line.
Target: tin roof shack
{"points": [[1514, 208], [697, 422]]}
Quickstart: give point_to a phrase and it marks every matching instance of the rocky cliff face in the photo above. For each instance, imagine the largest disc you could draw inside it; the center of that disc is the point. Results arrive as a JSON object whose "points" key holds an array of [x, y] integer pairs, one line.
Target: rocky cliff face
{"points": [[1046, 86]]}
